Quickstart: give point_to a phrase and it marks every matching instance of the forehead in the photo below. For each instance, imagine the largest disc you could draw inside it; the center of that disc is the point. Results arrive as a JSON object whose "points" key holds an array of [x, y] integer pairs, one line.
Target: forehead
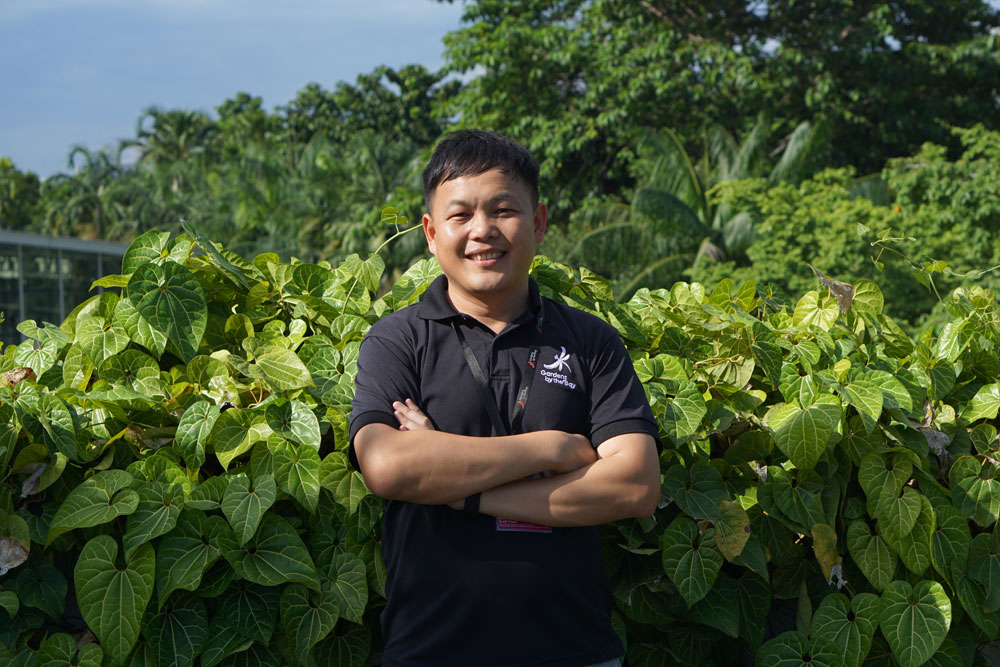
{"points": [[473, 188]]}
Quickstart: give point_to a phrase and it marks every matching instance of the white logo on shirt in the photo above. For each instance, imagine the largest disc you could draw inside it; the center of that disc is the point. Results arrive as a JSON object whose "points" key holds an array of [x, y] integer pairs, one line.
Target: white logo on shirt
{"points": [[560, 361], [549, 371]]}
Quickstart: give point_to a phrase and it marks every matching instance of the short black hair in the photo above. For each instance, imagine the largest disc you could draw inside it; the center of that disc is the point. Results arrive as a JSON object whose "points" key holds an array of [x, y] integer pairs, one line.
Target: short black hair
{"points": [[465, 152]]}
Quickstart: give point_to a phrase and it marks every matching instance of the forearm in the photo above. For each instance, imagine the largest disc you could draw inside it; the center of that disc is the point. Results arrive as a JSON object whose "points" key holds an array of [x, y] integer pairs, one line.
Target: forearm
{"points": [[432, 467], [623, 483]]}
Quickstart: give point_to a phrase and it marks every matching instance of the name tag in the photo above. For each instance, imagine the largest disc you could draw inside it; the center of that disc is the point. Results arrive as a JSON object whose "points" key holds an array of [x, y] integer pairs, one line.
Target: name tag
{"points": [[512, 526]]}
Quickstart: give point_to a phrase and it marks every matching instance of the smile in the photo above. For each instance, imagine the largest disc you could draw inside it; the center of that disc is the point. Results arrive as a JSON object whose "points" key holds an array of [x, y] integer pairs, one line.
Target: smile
{"points": [[485, 256]]}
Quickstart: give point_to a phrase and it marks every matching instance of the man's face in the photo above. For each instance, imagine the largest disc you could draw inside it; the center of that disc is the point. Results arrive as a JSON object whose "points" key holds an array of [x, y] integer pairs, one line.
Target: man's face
{"points": [[484, 230]]}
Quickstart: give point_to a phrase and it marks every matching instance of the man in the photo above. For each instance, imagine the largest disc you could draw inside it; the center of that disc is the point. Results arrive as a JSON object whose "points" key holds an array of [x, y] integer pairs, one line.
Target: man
{"points": [[491, 540]]}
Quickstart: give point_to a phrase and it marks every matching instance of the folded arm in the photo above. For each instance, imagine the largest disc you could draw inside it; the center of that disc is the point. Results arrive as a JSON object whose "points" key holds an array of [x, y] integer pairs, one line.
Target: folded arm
{"points": [[431, 467], [624, 482]]}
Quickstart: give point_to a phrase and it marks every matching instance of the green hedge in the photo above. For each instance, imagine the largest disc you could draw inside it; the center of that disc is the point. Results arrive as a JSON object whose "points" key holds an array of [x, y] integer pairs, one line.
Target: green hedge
{"points": [[176, 488]]}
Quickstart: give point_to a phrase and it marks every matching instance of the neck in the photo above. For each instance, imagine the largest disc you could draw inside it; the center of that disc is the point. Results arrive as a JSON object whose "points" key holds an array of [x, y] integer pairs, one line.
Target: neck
{"points": [[496, 311]]}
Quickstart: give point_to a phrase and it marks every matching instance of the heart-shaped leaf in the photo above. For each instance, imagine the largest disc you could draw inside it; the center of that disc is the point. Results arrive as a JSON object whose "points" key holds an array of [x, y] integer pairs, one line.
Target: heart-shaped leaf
{"points": [[59, 650], [185, 554], [282, 369], [872, 554], [847, 625], [732, 531], [690, 558], [346, 485], [349, 646], [803, 434], [157, 512], [193, 430], [138, 329], [43, 587], [274, 555], [719, 609], [793, 648], [897, 513], [178, 631], [223, 641], [915, 549], [984, 567], [297, 470], [680, 417], [950, 541], [698, 490], [171, 300], [232, 434], [98, 500], [985, 404], [294, 421], [308, 616], [245, 502], [252, 609], [345, 575], [914, 619], [975, 490], [113, 597]]}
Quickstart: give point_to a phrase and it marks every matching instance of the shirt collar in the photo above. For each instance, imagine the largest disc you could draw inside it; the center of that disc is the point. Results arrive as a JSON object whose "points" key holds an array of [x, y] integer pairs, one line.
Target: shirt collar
{"points": [[434, 304]]}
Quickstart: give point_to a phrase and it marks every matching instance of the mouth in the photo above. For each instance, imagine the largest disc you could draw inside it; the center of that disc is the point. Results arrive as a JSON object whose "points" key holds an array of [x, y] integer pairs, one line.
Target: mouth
{"points": [[482, 257]]}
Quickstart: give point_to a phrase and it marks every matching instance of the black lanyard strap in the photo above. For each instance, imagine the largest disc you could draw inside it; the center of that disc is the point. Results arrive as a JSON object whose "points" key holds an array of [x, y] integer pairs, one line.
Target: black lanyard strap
{"points": [[489, 399]]}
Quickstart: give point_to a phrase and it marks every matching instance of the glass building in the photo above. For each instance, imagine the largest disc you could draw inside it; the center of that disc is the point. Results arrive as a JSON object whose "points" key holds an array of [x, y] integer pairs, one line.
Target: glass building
{"points": [[43, 278]]}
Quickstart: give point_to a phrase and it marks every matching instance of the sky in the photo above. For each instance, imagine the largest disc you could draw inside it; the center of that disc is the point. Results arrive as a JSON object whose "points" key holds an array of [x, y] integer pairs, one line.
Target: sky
{"points": [[82, 71]]}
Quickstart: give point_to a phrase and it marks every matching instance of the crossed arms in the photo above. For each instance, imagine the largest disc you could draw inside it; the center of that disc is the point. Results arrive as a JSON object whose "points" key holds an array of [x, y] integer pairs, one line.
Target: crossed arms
{"points": [[420, 465]]}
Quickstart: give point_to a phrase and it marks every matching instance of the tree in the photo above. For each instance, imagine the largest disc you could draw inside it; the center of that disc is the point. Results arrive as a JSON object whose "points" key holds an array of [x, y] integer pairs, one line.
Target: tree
{"points": [[20, 193]]}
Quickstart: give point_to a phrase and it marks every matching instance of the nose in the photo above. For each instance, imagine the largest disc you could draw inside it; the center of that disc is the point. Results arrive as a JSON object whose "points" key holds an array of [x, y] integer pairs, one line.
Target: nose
{"points": [[483, 226]]}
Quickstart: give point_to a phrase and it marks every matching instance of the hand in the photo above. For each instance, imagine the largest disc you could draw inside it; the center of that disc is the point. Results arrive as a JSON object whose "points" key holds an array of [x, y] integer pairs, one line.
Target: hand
{"points": [[411, 417]]}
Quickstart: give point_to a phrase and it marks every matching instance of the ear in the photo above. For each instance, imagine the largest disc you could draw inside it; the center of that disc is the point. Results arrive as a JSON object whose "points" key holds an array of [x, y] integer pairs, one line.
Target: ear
{"points": [[540, 220], [429, 232]]}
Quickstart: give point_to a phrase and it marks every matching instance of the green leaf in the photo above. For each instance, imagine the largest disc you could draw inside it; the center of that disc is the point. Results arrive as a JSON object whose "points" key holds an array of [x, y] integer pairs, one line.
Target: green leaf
{"points": [[193, 430], [308, 616], [230, 436], [950, 541], [245, 502], [138, 329], [59, 650], [811, 311], [872, 554], [690, 558], [148, 247], [98, 500], [159, 507], [350, 646], [294, 421], [43, 587], [171, 300], [346, 485], [985, 404], [697, 491], [847, 625], [100, 338], [112, 598], [914, 620], [973, 598], [867, 298], [134, 370], [297, 470], [897, 513], [223, 640], [718, 609], [229, 269], [803, 435], [274, 555], [753, 603], [178, 631], [866, 398], [367, 272], [732, 531], [186, 554], [282, 369], [915, 549], [252, 609], [792, 648], [681, 417], [984, 567], [10, 603], [975, 490], [346, 577]]}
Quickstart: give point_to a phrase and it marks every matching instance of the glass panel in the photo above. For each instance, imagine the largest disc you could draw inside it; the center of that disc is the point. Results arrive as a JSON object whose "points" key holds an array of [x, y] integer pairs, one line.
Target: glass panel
{"points": [[79, 272], [41, 284], [8, 295]]}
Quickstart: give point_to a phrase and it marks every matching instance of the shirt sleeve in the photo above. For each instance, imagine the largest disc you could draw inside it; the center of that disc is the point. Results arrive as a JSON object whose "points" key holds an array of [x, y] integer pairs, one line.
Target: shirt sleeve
{"points": [[386, 373], [618, 402]]}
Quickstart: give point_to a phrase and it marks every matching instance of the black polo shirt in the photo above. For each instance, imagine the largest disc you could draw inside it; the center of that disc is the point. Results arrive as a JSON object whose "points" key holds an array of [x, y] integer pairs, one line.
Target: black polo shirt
{"points": [[479, 591]]}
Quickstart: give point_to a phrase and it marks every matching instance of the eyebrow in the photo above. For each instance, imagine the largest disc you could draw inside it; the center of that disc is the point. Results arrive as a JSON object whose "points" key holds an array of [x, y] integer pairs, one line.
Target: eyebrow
{"points": [[498, 197]]}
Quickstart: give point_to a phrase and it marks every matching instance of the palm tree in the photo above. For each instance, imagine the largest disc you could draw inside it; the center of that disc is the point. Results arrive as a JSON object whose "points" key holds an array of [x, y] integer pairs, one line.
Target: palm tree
{"points": [[89, 202], [672, 218]]}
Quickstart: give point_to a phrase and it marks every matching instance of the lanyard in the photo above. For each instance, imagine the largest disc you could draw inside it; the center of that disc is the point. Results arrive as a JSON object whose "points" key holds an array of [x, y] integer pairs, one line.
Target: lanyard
{"points": [[489, 399]]}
